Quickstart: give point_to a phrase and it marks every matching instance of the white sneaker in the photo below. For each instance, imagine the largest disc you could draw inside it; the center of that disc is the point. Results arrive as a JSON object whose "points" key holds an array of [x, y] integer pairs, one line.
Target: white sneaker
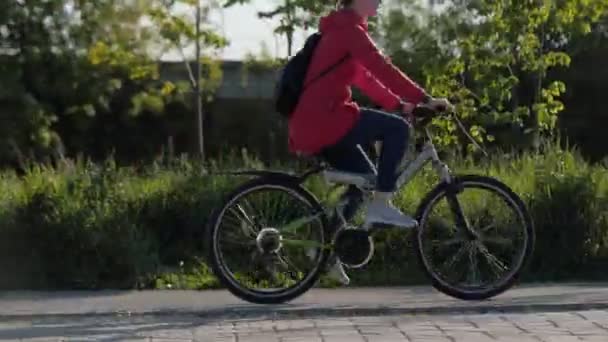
{"points": [[335, 271], [384, 212]]}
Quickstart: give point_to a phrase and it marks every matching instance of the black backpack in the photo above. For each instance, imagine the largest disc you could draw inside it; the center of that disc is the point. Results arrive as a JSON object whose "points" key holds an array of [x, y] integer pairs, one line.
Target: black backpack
{"points": [[291, 82]]}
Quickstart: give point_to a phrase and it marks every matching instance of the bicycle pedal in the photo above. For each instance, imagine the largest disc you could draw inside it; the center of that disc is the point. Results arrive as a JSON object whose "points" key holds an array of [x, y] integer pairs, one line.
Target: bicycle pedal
{"points": [[380, 225]]}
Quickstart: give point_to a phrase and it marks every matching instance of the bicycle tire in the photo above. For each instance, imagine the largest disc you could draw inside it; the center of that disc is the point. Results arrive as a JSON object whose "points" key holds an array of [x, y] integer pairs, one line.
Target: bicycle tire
{"points": [[215, 259], [488, 183]]}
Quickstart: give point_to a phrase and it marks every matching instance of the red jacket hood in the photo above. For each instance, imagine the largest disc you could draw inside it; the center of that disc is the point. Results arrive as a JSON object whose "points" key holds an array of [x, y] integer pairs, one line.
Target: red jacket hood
{"points": [[341, 18]]}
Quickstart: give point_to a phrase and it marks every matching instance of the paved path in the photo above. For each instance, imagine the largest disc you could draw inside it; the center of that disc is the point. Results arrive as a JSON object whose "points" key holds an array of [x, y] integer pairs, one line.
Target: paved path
{"points": [[490, 327], [573, 312], [341, 301]]}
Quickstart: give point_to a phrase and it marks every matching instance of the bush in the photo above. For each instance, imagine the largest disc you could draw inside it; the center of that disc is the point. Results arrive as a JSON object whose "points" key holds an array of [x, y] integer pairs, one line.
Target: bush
{"points": [[94, 226]]}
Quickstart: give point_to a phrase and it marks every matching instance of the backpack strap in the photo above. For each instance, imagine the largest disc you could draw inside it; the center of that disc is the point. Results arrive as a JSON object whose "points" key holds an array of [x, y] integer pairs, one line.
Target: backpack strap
{"points": [[330, 68]]}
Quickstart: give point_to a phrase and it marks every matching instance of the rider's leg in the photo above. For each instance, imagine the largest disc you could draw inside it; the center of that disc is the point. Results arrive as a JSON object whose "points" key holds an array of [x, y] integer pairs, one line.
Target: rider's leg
{"points": [[349, 158], [394, 135], [345, 158], [393, 131]]}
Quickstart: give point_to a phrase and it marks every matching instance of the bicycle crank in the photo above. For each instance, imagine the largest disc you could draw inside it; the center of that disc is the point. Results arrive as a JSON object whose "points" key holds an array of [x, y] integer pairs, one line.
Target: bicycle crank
{"points": [[354, 247]]}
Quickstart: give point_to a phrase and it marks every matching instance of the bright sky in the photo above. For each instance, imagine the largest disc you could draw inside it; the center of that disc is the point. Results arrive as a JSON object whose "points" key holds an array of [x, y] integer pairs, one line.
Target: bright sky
{"points": [[246, 32]]}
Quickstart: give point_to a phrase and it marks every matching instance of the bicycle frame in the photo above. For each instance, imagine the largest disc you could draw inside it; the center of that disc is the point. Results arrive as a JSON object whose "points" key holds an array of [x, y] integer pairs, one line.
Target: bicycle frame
{"points": [[428, 153], [366, 181]]}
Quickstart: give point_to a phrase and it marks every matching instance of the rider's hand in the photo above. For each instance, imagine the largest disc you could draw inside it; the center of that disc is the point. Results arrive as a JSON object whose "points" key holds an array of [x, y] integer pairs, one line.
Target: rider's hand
{"points": [[406, 109], [440, 104]]}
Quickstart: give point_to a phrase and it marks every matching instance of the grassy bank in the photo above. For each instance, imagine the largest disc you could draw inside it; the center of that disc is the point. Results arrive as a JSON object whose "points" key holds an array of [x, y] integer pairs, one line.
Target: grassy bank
{"points": [[100, 226]]}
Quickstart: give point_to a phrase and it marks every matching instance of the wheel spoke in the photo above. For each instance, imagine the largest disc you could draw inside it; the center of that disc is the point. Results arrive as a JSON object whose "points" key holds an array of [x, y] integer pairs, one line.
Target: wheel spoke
{"points": [[304, 243], [496, 239], [501, 241], [245, 216], [288, 263], [473, 277], [256, 214], [493, 256], [292, 226], [447, 242], [487, 227], [493, 260], [233, 239], [271, 268], [450, 263], [247, 225], [234, 220]]}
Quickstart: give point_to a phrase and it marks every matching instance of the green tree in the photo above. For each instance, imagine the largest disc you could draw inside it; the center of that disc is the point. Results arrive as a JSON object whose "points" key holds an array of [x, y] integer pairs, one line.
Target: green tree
{"points": [[493, 57], [181, 30], [63, 60], [584, 117], [76, 75], [175, 23]]}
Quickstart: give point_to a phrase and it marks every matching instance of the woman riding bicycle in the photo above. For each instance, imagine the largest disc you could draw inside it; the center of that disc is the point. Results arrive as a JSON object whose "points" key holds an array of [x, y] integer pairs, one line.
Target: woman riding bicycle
{"points": [[465, 259], [328, 123]]}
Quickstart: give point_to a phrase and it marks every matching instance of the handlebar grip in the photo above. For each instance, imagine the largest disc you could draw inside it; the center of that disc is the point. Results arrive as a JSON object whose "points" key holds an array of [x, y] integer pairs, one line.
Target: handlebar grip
{"points": [[423, 111], [424, 115], [440, 109]]}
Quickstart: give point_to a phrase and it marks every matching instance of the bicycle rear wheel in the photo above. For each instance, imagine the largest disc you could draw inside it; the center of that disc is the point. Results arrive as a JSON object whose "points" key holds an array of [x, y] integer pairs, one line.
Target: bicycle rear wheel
{"points": [[499, 239], [263, 235]]}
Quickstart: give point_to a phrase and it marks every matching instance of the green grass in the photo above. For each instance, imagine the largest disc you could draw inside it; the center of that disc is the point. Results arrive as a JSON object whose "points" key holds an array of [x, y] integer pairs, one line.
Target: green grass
{"points": [[85, 225]]}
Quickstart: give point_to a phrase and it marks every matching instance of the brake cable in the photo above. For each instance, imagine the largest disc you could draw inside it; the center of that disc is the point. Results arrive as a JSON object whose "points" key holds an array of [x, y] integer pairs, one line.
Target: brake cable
{"points": [[464, 130]]}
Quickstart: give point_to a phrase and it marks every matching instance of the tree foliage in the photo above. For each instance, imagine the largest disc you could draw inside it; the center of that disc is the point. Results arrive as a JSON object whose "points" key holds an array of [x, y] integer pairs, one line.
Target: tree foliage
{"points": [[83, 76], [492, 57], [68, 67], [175, 23]]}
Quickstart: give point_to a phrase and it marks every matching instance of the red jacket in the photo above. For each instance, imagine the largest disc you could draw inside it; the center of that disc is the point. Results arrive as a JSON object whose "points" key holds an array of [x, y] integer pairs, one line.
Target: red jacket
{"points": [[325, 111]]}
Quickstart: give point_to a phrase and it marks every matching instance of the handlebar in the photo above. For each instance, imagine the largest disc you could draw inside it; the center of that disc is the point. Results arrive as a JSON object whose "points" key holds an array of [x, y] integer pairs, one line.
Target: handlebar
{"points": [[423, 115]]}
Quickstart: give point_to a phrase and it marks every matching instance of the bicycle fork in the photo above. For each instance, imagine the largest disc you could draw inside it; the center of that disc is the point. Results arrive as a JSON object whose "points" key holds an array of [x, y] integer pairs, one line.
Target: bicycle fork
{"points": [[453, 189]]}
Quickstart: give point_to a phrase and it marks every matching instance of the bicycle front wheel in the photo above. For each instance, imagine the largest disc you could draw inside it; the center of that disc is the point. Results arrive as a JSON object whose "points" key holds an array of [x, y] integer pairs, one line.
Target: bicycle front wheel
{"points": [[475, 236], [267, 241]]}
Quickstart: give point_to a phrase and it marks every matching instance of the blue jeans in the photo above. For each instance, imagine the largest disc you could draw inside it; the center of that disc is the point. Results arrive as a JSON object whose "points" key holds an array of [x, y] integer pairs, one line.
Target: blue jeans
{"points": [[373, 125]]}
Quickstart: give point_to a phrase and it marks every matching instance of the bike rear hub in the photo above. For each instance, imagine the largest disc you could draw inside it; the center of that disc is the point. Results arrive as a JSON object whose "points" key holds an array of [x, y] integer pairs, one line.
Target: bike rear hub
{"points": [[354, 247], [269, 240]]}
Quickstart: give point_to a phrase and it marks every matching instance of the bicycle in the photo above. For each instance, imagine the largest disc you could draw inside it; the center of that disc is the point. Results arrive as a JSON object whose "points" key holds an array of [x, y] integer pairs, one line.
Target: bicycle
{"points": [[353, 245]]}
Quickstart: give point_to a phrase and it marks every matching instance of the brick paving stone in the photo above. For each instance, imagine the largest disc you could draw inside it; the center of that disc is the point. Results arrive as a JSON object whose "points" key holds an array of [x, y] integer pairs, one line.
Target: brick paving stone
{"points": [[595, 338], [173, 334], [488, 327], [302, 339], [356, 338]]}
